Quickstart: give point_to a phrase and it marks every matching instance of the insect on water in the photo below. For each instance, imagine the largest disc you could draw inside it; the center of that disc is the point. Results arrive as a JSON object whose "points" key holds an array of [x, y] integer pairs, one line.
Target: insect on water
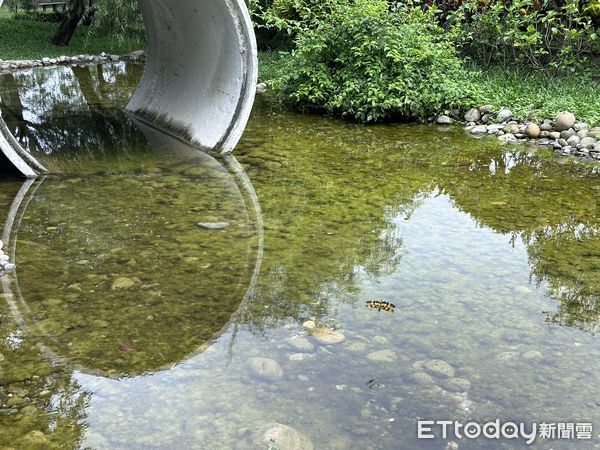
{"points": [[381, 305]]}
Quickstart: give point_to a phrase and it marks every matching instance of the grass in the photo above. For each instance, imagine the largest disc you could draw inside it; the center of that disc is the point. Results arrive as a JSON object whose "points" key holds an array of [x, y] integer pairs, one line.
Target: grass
{"points": [[31, 39]]}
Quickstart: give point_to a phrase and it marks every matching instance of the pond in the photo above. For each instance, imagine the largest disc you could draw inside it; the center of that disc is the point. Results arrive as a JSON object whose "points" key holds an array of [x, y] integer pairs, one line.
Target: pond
{"points": [[164, 298]]}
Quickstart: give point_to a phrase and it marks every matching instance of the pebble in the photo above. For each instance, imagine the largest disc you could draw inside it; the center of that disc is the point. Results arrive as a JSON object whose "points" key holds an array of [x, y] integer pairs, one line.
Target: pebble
{"points": [[266, 369], [122, 283], [328, 336], [215, 226], [438, 368], [383, 356], [309, 325], [444, 120], [275, 435], [301, 344]]}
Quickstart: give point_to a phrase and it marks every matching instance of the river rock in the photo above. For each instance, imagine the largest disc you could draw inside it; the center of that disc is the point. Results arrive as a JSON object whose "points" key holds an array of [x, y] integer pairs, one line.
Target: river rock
{"points": [[275, 436], [439, 368], [309, 325], [480, 129], [583, 133], [580, 126], [383, 356], [508, 137], [504, 115], [457, 384], [265, 368], [328, 336], [513, 129], [547, 125], [564, 121], [554, 135], [533, 131], [486, 118], [532, 354], [122, 283], [213, 225], [587, 142], [573, 140], [594, 132], [301, 344], [36, 439], [486, 109], [1, 357], [261, 88], [473, 115], [15, 401], [443, 120]]}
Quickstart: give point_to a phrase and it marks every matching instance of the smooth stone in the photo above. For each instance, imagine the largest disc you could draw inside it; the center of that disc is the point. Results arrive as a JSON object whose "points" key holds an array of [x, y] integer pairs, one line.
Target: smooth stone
{"points": [[213, 225], [546, 126], [514, 129], [266, 368], [532, 354], [9, 267], [444, 120], [300, 356], [423, 378], [480, 129], [457, 384], [554, 135], [564, 121], [473, 115], [261, 88], [122, 283], [439, 368], [486, 109], [383, 356], [275, 436], [328, 336], [566, 134], [486, 118], [563, 143], [580, 126], [587, 142], [301, 344], [2, 358], [504, 115], [508, 137], [583, 133], [15, 401], [533, 131], [573, 141], [309, 325]]}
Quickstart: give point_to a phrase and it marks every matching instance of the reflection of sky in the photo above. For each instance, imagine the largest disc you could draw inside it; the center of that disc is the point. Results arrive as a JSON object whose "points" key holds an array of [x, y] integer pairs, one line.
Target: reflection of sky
{"points": [[41, 91]]}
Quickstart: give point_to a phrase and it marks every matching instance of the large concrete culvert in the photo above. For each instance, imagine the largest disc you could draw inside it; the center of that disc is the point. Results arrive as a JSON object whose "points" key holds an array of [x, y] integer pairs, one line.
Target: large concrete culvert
{"points": [[200, 77]]}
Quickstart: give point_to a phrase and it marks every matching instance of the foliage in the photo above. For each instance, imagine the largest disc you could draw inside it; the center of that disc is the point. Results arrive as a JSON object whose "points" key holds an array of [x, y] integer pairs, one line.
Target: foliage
{"points": [[536, 33], [121, 19], [370, 63]]}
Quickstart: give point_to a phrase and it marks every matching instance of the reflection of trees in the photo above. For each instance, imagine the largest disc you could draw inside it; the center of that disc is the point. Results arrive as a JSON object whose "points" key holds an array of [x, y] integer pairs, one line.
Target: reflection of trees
{"points": [[554, 211], [43, 113]]}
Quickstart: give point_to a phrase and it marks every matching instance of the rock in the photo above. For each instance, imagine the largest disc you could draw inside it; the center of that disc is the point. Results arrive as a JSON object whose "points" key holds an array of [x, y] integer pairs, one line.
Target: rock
{"points": [[587, 142], [494, 128], [580, 126], [213, 225], [486, 109], [480, 129], [309, 325], [266, 369], [596, 148], [451, 446], [36, 439], [9, 267], [533, 131], [513, 129], [1, 245], [504, 115], [122, 283], [15, 401], [566, 134], [300, 356], [444, 120], [563, 143], [2, 358], [486, 118], [439, 368], [274, 436], [508, 137], [473, 115], [357, 347], [547, 125], [301, 344], [564, 121], [594, 132], [544, 134], [383, 356], [573, 140], [457, 384], [583, 133], [328, 336], [554, 135], [567, 150], [261, 88], [520, 135], [138, 54], [423, 378]]}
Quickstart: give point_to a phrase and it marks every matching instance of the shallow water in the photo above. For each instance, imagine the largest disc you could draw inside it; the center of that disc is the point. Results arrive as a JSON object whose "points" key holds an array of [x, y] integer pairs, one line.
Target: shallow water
{"points": [[128, 325]]}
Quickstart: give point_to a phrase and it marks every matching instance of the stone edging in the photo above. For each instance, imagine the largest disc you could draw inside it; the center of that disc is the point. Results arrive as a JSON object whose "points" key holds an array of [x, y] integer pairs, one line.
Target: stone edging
{"points": [[563, 134], [11, 66]]}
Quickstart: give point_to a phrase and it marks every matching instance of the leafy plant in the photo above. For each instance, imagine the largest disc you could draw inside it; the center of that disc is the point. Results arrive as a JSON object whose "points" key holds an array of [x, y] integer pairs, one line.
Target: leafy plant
{"points": [[371, 63]]}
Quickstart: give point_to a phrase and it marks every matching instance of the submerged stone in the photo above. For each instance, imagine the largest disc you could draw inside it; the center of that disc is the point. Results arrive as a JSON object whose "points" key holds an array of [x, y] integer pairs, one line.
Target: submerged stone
{"points": [[275, 436], [213, 225], [328, 336], [266, 369]]}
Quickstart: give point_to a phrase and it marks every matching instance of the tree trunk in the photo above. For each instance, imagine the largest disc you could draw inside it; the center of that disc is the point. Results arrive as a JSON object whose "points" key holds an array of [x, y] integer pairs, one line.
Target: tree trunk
{"points": [[69, 24]]}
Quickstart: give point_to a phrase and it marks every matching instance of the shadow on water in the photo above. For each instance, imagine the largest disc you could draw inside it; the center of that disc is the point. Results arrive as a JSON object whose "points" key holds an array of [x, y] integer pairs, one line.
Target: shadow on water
{"points": [[123, 312]]}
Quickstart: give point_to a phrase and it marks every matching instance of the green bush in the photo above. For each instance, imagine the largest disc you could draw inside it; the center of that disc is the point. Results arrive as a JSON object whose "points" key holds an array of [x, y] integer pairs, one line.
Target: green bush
{"points": [[371, 63], [541, 34]]}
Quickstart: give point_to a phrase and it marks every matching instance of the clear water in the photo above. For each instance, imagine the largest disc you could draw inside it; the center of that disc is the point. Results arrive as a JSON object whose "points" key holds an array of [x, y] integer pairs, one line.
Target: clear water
{"points": [[128, 325]]}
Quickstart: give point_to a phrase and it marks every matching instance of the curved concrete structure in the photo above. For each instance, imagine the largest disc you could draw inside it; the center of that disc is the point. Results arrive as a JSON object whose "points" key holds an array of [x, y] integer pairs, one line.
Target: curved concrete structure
{"points": [[200, 77]]}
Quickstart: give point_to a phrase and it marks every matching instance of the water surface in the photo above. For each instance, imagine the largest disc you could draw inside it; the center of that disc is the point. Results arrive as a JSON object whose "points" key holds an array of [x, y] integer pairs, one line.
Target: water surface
{"points": [[127, 325]]}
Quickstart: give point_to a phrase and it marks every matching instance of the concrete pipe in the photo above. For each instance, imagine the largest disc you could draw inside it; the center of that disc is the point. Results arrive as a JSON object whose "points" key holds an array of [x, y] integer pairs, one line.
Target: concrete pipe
{"points": [[200, 77]]}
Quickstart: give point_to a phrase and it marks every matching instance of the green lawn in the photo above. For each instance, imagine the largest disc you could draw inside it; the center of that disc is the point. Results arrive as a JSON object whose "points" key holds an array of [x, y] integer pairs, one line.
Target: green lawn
{"points": [[30, 39]]}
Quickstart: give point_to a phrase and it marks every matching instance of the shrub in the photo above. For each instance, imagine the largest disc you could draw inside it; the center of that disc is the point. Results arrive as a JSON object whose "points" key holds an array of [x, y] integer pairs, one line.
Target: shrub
{"points": [[371, 63]]}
